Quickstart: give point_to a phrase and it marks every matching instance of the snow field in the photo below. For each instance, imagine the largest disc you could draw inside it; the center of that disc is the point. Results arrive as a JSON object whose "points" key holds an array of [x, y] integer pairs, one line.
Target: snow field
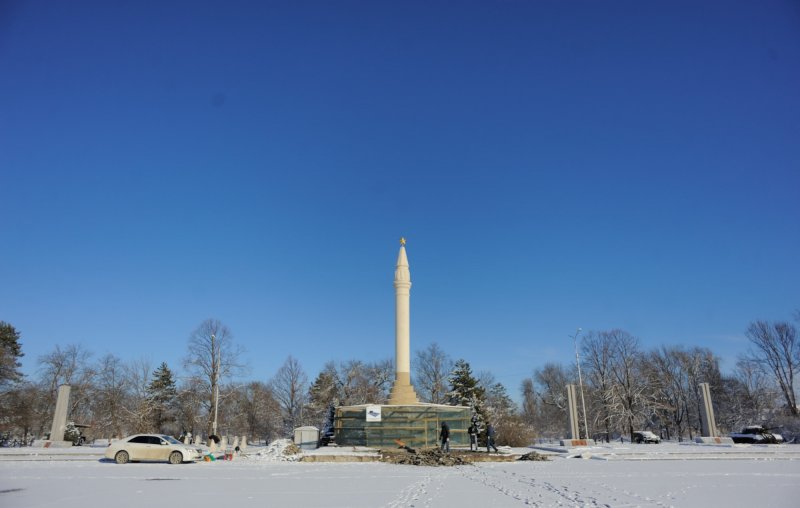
{"points": [[265, 482]]}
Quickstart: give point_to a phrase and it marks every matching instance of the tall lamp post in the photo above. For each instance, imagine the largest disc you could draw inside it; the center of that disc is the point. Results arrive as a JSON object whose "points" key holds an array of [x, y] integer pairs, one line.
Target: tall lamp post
{"points": [[216, 351], [580, 381]]}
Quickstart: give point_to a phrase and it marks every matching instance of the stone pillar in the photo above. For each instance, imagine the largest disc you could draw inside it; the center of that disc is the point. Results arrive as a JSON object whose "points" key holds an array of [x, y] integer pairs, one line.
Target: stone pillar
{"points": [[572, 411], [707, 421], [574, 423], [402, 391], [60, 415]]}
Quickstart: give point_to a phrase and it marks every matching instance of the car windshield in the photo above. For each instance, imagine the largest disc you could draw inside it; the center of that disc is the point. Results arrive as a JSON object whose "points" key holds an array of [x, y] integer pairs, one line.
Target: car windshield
{"points": [[171, 440]]}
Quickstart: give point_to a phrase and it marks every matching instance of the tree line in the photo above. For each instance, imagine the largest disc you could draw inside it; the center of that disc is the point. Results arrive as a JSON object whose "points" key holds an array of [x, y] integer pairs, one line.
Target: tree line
{"points": [[626, 388]]}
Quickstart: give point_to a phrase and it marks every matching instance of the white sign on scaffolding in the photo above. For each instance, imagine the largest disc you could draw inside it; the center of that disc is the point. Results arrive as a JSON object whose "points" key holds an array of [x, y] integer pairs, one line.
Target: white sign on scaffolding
{"points": [[373, 413]]}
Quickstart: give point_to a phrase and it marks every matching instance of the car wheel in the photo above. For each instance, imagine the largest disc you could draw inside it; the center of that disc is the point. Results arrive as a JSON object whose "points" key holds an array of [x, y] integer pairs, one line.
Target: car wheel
{"points": [[638, 440], [122, 457], [175, 458]]}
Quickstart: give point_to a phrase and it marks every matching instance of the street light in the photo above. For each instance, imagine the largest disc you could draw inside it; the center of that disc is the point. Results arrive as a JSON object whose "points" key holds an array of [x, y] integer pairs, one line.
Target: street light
{"points": [[580, 381], [216, 352]]}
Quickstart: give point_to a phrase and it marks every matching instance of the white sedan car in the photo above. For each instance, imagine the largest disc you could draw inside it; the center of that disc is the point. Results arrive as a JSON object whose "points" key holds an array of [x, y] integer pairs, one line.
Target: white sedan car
{"points": [[152, 447]]}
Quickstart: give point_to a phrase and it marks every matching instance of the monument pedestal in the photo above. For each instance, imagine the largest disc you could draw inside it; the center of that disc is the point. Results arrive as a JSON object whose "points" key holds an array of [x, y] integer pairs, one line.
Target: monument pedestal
{"points": [[403, 393]]}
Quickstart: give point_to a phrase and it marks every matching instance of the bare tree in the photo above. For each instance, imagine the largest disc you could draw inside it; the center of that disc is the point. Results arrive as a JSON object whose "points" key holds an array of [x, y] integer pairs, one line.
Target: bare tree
{"points": [[776, 347], [553, 379], [290, 387], [757, 393], [191, 395], [379, 378], [256, 412], [730, 411], [139, 407], [673, 398], [700, 366], [109, 398], [551, 383], [669, 395], [357, 382], [528, 412], [20, 406], [627, 389], [69, 365], [212, 359], [511, 429], [597, 363], [432, 371]]}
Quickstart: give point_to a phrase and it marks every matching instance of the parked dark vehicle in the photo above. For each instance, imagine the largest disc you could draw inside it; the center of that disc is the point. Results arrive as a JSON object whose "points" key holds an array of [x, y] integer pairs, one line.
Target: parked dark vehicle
{"points": [[756, 434], [645, 436]]}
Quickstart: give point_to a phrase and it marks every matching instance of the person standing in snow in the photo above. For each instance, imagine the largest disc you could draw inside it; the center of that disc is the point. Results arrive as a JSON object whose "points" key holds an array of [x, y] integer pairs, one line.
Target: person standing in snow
{"points": [[444, 435], [473, 437], [490, 434]]}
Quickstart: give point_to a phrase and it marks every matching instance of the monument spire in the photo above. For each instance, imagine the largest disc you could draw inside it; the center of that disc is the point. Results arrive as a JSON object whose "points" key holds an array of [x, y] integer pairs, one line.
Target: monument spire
{"points": [[402, 392]]}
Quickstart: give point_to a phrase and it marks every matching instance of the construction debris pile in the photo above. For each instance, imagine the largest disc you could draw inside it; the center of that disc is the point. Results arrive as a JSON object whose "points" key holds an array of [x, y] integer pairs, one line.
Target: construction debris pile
{"points": [[533, 456], [280, 450], [426, 457]]}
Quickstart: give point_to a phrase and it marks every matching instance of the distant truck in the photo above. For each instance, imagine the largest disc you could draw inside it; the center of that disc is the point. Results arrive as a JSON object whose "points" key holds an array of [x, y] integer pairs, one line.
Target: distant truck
{"points": [[74, 433], [756, 434], [645, 436]]}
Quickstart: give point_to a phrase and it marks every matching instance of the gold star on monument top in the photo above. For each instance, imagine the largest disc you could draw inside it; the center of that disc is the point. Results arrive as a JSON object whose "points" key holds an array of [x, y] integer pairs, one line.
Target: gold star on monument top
{"points": [[402, 241]]}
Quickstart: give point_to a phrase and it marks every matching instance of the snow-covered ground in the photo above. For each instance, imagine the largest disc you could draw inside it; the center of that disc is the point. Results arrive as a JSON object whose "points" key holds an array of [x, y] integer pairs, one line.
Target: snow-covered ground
{"points": [[669, 474]]}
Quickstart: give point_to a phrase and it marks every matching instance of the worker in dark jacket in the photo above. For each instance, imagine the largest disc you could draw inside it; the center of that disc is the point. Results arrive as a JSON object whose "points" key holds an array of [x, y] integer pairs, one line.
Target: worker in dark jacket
{"points": [[490, 435], [444, 435], [473, 437]]}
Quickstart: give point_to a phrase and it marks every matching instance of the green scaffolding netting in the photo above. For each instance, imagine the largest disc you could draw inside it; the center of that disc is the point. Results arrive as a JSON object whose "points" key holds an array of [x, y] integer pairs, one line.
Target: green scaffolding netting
{"points": [[416, 426]]}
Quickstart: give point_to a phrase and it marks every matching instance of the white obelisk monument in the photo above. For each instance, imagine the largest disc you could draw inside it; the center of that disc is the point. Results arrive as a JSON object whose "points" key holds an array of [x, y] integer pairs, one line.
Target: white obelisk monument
{"points": [[402, 392]]}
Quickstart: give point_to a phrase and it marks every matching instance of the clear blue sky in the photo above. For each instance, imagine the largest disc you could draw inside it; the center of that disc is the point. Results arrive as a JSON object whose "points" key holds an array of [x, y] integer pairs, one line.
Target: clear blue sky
{"points": [[553, 164]]}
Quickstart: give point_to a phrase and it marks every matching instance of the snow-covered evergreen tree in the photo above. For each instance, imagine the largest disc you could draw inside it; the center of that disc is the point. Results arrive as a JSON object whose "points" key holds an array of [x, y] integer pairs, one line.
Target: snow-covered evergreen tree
{"points": [[466, 391], [10, 353], [322, 395], [464, 388], [161, 394], [498, 403], [71, 432]]}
